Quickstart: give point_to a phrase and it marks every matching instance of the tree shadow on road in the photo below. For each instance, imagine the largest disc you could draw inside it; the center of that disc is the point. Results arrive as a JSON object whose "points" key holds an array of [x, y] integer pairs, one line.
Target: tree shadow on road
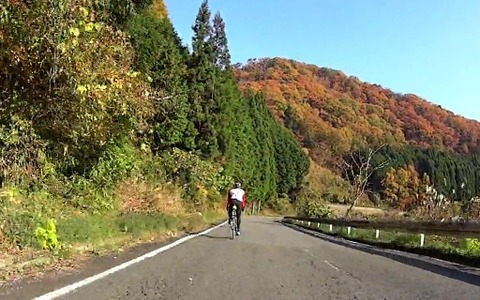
{"points": [[216, 237], [448, 269], [275, 223]]}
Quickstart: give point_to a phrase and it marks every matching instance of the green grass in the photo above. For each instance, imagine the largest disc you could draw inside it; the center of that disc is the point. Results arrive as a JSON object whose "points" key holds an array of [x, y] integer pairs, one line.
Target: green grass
{"points": [[105, 232], [465, 251], [84, 234], [97, 228]]}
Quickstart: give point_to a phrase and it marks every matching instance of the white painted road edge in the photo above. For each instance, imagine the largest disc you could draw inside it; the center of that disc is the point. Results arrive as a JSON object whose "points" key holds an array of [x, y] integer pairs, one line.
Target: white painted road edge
{"points": [[70, 288], [332, 265]]}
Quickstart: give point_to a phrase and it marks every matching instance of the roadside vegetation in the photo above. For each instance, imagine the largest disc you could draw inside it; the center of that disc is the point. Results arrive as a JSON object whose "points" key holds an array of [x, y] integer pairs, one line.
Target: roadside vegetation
{"points": [[112, 132], [460, 250]]}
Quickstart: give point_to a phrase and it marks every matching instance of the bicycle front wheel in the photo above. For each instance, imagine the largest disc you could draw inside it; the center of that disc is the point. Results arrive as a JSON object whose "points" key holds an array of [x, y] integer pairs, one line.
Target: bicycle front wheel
{"points": [[233, 225]]}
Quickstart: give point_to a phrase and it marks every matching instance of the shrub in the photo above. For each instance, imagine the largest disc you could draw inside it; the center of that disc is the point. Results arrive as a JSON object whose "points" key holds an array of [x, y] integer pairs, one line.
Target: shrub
{"points": [[281, 205], [313, 209], [199, 177], [47, 237], [472, 246]]}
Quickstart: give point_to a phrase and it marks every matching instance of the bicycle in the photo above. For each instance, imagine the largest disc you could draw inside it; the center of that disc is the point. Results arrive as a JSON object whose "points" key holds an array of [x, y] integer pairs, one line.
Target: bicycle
{"points": [[233, 223]]}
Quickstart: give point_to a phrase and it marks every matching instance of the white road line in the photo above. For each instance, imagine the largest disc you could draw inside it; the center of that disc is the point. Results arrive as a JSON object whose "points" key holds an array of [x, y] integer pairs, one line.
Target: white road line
{"points": [[70, 288], [331, 265]]}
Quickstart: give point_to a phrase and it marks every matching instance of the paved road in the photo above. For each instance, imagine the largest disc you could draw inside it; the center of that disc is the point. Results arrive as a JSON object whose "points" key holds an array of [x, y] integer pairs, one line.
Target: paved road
{"points": [[271, 261]]}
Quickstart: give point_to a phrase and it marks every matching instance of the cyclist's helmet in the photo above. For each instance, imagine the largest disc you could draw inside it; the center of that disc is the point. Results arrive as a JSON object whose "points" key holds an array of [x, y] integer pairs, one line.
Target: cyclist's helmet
{"points": [[237, 185]]}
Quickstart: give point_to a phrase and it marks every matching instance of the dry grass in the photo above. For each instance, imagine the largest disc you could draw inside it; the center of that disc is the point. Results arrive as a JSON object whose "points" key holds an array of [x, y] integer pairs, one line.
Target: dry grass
{"points": [[324, 180], [358, 211], [16, 264], [4, 244], [140, 196], [447, 212], [267, 212], [30, 263]]}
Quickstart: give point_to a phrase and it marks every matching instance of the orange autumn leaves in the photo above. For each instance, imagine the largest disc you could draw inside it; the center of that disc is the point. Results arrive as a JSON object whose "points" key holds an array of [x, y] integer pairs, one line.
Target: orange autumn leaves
{"points": [[341, 112], [405, 188]]}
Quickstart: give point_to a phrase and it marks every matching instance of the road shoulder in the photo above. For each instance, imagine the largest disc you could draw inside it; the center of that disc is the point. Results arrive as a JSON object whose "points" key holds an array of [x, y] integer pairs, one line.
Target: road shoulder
{"points": [[445, 268], [56, 279]]}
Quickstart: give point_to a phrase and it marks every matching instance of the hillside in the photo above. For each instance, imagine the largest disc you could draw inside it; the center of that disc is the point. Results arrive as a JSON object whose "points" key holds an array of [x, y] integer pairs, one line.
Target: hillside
{"points": [[334, 115], [338, 112]]}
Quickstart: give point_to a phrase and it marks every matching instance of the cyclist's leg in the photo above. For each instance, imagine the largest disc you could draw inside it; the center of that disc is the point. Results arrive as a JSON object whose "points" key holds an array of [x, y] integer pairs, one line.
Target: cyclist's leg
{"points": [[230, 214], [239, 213]]}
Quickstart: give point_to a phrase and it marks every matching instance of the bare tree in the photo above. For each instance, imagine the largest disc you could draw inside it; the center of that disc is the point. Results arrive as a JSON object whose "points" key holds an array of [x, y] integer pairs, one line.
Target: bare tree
{"points": [[359, 168]]}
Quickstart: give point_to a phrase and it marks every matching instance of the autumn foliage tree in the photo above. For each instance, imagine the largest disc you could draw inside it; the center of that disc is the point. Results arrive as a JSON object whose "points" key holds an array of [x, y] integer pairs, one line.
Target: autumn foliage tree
{"points": [[405, 188], [76, 106]]}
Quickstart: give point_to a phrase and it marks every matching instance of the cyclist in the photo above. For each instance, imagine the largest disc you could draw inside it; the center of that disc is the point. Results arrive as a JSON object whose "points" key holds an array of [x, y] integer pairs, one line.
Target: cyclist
{"points": [[236, 196]]}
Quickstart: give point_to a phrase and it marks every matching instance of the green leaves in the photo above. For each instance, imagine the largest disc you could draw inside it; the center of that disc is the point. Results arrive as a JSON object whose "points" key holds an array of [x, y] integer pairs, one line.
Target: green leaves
{"points": [[47, 237], [120, 12], [312, 208], [162, 58], [292, 163], [193, 172], [472, 246]]}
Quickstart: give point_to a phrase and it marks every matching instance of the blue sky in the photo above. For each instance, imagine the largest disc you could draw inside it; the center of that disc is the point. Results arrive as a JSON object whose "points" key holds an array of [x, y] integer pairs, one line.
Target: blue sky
{"points": [[430, 48]]}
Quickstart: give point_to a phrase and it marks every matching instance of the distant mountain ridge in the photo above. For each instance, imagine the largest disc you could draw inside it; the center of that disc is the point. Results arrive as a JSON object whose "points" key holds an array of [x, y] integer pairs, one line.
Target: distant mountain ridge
{"points": [[329, 111]]}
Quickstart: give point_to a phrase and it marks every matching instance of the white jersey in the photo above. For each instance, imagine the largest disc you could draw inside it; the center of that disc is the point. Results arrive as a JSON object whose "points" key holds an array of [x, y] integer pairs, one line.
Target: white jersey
{"points": [[237, 194]]}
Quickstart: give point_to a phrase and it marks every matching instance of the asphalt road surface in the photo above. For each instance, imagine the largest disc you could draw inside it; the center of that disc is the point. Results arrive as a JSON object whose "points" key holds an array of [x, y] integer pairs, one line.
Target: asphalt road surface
{"points": [[271, 261]]}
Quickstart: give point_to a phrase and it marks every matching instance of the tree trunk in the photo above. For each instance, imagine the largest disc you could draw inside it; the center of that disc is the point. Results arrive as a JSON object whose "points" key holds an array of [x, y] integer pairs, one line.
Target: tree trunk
{"points": [[350, 208]]}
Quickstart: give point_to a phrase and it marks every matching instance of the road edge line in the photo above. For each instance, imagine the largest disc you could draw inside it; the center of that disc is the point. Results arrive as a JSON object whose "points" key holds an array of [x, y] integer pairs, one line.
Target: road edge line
{"points": [[71, 287], [445, 268]]}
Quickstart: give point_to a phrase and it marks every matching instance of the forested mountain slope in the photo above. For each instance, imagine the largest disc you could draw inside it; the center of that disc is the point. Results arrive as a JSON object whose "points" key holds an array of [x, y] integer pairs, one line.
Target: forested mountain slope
{"points": [[333, 114], [343, 111]]}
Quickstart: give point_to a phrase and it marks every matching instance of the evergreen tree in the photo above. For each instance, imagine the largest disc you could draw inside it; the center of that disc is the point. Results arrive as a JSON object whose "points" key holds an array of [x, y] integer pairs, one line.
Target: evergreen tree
{"points": [[240, 132], [161, 57], [290, 119], [120, 12], [265, 153], [202, 32], [291, 162], [202, 80], [220, 43]]}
